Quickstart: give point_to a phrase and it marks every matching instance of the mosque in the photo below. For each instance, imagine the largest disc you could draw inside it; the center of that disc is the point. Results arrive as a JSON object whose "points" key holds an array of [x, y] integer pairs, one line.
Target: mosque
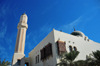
{"points": [[47, 52]]}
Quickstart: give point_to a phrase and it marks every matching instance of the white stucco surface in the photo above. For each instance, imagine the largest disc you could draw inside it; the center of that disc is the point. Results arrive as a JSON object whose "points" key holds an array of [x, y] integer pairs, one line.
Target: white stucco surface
{"points": [[85, 47]]}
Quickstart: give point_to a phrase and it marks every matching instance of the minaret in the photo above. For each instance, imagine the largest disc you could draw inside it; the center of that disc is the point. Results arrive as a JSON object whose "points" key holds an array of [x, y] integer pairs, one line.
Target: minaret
{"points": [[18, 57]]}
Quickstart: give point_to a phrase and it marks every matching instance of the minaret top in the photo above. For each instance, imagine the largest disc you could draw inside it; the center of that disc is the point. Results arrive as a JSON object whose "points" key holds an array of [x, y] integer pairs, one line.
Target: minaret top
{"points": [[23, 18], [23, 14], [23, 21]]}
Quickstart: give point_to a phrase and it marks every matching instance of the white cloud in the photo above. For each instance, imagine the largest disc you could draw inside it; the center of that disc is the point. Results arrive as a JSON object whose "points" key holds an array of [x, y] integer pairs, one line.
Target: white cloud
{"points": [[45, 28], [3, 52], [81, 21], [3, 30], [4, 10], [69, 27]]}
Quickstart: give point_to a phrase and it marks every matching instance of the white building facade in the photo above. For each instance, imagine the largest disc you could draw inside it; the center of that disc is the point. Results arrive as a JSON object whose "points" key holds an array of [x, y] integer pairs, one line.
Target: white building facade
{"points": [[61, 42], [47, 52]]}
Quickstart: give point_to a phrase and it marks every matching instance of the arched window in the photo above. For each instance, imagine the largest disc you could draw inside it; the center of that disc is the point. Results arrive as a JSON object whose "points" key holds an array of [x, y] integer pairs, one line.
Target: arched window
{"points": [[85, 38], [18, 62], [75, 49], [70, 48]]}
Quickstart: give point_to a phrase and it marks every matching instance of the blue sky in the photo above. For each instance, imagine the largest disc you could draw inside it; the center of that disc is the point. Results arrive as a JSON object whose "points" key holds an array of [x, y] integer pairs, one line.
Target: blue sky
{"points": [[43, 16]]}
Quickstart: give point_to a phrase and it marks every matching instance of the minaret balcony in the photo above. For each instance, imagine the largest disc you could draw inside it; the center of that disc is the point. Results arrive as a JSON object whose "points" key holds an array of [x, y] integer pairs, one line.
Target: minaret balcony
{"points": [[22, 25]]}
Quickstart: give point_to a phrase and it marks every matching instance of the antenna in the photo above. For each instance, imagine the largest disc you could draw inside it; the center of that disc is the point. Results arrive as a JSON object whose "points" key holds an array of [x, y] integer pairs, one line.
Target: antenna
{"points": [[74, 28]]}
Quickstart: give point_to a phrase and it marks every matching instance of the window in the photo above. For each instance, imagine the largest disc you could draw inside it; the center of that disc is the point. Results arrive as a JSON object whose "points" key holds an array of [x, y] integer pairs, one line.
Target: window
{"points": [[38, 58], [75, 49], [70, 48], [18, 62], [42, 51], [61, 45], [46, 51]]}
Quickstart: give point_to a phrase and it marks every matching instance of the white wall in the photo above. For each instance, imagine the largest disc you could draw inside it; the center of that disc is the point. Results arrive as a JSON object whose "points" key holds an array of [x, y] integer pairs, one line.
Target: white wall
{"points": [[84, 47], [51, 61]]}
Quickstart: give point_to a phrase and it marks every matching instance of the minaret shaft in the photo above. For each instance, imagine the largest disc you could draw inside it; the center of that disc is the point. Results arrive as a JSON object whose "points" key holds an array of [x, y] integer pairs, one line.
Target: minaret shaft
{"points": [[20, 42]]}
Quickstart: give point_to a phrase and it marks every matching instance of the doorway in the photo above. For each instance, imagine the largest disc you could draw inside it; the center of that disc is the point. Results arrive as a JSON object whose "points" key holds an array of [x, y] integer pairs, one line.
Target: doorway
{"points": [[26, 64]]}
